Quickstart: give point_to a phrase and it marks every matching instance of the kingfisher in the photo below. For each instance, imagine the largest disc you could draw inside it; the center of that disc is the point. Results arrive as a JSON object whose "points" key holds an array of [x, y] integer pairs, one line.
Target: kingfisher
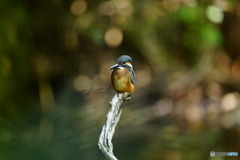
{"points": [[123, 76]]}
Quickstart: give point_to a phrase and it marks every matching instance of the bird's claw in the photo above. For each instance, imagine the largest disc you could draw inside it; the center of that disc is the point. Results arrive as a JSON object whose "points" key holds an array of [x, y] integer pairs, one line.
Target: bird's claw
{"points": [[127, 96], [127, 99]]}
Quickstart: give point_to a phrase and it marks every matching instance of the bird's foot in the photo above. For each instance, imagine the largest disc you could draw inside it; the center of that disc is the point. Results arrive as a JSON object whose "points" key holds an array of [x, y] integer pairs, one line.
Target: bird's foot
{"points": [[127, 96], [127, 99]]}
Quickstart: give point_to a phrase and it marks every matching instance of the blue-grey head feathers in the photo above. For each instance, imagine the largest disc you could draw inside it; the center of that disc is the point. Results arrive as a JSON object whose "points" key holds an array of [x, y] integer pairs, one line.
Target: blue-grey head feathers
{"points": [[124, 58]]}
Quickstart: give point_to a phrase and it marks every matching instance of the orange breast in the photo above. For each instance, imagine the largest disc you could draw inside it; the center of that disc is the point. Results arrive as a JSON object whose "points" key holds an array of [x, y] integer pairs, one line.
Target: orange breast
{"points": [[121, 80]]}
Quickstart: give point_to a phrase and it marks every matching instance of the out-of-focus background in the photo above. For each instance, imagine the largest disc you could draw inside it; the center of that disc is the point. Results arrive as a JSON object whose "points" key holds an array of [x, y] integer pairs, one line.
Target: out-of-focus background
{"points": [[55, 84]]}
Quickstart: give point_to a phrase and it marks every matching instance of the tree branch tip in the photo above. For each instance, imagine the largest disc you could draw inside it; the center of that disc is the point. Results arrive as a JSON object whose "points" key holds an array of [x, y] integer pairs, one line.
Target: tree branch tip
{"points": [[105, 145]]}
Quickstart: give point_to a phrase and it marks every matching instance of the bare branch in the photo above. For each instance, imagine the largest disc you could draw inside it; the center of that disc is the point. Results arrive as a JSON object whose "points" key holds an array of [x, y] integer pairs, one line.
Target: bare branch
{"points": [[105, 140]]}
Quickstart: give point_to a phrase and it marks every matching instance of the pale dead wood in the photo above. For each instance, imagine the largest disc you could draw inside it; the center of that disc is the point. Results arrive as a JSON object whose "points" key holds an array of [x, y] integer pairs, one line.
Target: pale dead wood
{"points": [[105, 140]]}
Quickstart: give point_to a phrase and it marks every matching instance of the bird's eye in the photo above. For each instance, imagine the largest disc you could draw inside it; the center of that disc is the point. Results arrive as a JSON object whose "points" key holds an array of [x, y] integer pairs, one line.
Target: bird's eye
{"points": [[124, 62]]}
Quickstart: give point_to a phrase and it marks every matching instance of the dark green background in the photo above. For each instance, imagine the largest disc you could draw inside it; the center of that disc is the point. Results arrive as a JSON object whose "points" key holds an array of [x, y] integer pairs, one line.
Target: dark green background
{"points": [[186, 101]]}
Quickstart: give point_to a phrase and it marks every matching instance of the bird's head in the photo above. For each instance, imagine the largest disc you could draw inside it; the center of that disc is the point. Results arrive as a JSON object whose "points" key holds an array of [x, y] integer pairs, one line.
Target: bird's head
{"points": [[123, 62]]}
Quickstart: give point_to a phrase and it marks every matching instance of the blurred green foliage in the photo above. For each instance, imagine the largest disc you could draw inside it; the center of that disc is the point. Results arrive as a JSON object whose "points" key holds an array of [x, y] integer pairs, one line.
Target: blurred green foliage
{"points": [[55, 86]]}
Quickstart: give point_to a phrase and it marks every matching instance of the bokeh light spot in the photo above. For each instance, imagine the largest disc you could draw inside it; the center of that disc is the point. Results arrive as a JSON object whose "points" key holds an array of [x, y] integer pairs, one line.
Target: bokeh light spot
{"points": [[223, 4], [191, 3], [78, 7], [229, 102], [194, 113], [164, 106], [84, 21], [128, 11], [107, 8], [171, 5], [122, 3], [213, 90], [82, 83], [214, 14], [113, 37]]}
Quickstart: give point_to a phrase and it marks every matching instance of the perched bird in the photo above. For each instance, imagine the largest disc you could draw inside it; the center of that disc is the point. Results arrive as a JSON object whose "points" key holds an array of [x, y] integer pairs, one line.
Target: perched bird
{"points": [[123, 76]]}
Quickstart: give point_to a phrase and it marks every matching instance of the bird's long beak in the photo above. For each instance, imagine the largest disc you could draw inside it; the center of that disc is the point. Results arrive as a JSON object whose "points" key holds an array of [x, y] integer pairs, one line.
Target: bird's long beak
{"points": [[114, 66]]}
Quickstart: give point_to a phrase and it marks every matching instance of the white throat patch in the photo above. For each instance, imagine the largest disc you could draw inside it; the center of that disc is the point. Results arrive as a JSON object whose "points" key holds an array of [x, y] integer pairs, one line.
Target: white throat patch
{"points": [[129, 64]]}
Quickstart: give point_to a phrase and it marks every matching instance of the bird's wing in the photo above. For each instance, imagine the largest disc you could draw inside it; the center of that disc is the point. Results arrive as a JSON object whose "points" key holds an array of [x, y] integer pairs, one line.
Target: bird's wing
{"points": [[133, 76]]}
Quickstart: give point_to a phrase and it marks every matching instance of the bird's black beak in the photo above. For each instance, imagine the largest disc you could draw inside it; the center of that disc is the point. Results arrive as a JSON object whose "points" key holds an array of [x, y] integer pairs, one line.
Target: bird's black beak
{"points": [[114, 66]]}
